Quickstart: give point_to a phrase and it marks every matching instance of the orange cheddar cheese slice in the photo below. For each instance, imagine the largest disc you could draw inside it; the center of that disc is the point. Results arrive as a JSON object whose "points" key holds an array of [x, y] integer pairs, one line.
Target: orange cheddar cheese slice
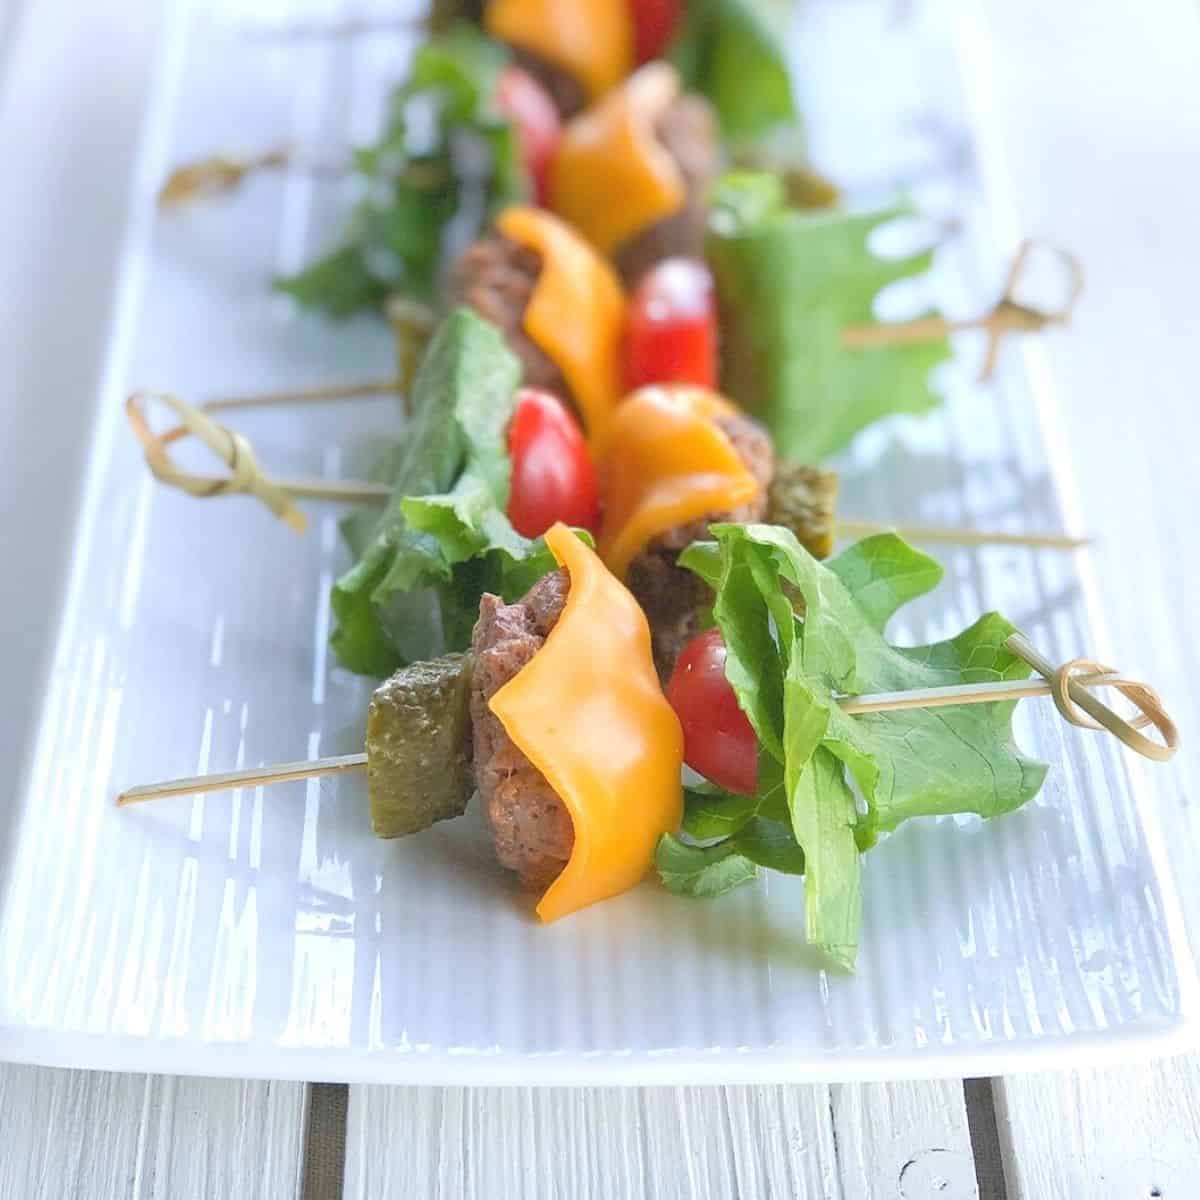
{"points": [[576, 314], [612, 178], [588, 712], [668, 463], [591, 40]]}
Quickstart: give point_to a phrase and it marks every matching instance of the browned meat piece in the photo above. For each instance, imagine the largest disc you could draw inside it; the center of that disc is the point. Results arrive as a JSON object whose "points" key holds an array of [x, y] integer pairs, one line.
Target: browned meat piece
{"points": [[495, 276], [671, 595], [531, 828], [565, 90], [688, 129], [445, 14], [753, 444], [673, 600]]}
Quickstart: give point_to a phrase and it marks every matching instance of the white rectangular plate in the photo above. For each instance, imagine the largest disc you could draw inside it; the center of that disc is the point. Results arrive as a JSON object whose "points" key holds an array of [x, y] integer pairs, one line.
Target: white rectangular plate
{"points": [[267, 933]]}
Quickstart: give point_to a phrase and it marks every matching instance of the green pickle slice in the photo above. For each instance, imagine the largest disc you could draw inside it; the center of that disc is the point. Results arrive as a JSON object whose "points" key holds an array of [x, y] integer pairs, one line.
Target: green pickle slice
{"points": [[419, 746], [803, 498]]}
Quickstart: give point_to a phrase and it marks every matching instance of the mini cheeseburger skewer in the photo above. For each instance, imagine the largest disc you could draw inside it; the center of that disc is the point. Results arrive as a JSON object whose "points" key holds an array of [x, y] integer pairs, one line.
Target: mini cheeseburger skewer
{"points": [[801, 497], [556, 717], [686, 457], [679, 459]]}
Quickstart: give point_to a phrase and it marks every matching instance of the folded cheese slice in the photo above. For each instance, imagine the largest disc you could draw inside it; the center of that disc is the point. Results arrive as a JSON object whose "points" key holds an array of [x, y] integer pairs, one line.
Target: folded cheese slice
{"points": [[588, 712], [668, 463], [591, 40], [612, 178], [576, 314]]}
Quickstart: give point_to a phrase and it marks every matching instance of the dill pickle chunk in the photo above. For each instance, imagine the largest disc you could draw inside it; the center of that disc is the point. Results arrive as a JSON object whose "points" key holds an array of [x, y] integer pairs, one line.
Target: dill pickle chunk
{"points": [[803, 498], [419, 746]]}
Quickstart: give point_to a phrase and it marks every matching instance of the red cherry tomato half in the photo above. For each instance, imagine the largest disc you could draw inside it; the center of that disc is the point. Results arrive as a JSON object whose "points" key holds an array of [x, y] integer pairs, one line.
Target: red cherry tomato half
{"points": [[671, 335], [718, 740], [654, 25], [552, 475], [532, 111]]}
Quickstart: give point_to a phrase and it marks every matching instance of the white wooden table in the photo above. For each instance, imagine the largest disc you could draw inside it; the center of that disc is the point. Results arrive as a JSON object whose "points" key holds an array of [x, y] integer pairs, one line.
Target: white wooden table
{"points": [[1091, 116]]}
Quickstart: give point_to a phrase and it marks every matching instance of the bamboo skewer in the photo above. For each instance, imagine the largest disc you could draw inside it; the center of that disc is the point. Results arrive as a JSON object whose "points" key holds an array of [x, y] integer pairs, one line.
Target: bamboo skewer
{"points": [[225, 781], [323, 393], [247, 476], [224, 172], [1070, 685], [960, 536], [220, 173], [1007, 316], [411, 321], [946, 697], [339, 491]]}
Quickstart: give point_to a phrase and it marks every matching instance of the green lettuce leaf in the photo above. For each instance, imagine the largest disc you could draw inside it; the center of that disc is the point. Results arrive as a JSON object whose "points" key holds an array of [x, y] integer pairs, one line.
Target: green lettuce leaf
{"points": [[707, 871], [711, 812], [446, 161], [732, 52], [701, 871], [788, 671], [443, 539], [789, 282], [824, 824], [340, 283], [688, 869], [749, 832]]}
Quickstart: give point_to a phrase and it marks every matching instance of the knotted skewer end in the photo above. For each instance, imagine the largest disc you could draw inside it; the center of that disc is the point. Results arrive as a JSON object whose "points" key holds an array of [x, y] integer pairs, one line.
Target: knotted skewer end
{"points": [[214, 175], [1079, 706], [246, 476]]}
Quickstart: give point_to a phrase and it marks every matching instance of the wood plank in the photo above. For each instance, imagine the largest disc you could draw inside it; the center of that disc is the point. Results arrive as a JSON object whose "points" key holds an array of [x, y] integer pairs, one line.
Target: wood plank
{"points": [[98, 1134], [904, 1139], [628, 1143], [1107, 1135]]}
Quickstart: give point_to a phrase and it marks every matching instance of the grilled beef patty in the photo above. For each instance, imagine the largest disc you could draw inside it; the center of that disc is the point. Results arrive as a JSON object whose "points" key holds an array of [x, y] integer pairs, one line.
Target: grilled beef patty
{"points": [[531, 828], [495, 276]]}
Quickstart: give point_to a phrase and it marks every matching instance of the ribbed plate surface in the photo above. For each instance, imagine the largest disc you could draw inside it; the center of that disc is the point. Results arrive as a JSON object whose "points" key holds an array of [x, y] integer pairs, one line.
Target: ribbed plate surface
{"points": [[268, 933]]}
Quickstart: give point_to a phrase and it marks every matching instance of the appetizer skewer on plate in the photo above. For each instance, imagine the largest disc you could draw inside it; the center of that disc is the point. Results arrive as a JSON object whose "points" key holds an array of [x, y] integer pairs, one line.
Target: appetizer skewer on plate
{"points": [[522, 277], [596, 558], [556, 718], [529, 269], [719, 45], [537, 63], [500, 138], [635, 174], [802, 497]]}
